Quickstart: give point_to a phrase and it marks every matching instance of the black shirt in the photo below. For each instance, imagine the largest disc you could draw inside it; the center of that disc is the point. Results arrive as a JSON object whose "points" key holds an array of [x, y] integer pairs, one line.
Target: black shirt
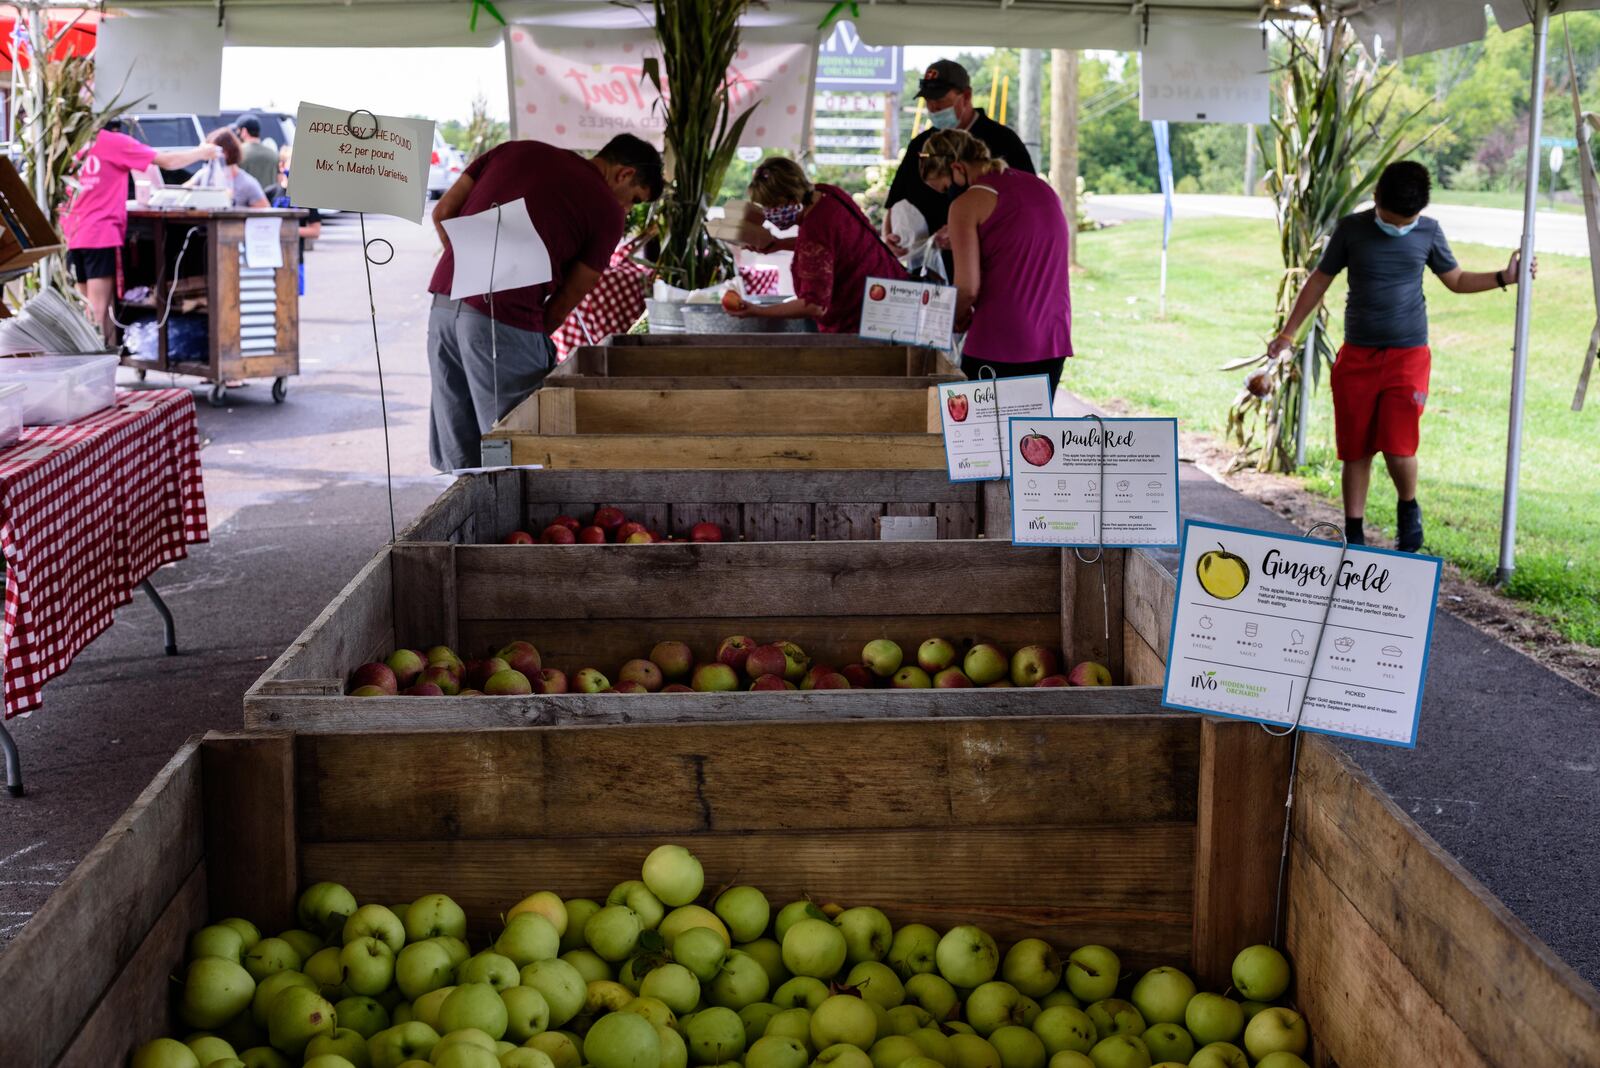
{"points": [[1385, 307], [1003, 144]]}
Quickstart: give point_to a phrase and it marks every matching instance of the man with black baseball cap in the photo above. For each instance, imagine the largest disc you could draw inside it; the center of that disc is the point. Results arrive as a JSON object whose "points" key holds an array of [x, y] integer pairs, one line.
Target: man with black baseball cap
{"points": [[948, 91], [256, 158]]}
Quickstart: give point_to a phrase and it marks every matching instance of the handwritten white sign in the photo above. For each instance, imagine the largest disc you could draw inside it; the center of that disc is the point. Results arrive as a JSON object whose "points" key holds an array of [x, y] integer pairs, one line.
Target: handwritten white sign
{"points": [[357, 161], [263, 246], [911, 313], [1085, 482], [1194, 70]]}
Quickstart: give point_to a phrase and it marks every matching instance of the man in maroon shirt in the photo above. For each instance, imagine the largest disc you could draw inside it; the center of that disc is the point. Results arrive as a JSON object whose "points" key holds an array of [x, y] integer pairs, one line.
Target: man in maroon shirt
{"points": [[579, 207]]}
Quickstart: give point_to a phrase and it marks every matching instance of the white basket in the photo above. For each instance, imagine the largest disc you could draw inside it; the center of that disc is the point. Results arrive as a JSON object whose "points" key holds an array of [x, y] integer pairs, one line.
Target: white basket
{"points": [[61, 389], [11, 405]]}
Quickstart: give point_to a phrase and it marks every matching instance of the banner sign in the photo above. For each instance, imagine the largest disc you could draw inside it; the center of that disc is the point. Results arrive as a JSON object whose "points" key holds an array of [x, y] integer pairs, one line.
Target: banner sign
{"points": [[580, 88], [845, 61], [1204, 71]]}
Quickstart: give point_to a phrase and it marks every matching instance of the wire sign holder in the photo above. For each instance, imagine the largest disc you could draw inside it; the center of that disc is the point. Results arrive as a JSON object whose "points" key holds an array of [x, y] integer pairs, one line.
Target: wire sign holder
{"points": [[361, 133]]}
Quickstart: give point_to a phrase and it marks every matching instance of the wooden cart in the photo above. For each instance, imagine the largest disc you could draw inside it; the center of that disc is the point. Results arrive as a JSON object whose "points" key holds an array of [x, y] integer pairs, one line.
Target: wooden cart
{"points": [[193, 261]]}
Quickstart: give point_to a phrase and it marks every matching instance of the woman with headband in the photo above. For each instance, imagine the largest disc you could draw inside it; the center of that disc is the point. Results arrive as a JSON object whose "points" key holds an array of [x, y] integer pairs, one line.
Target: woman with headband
{"points": [[836, 250], [1009, 237]]}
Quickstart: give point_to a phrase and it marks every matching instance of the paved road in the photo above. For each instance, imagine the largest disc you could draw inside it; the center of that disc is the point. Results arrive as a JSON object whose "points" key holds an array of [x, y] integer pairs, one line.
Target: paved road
{"points": [[1554, 232]]}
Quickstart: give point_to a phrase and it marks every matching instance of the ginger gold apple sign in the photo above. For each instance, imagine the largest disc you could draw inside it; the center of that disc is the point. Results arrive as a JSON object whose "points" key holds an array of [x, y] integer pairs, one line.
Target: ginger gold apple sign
{"points": [[1245, 633], [975, 416], [1123, 489]]}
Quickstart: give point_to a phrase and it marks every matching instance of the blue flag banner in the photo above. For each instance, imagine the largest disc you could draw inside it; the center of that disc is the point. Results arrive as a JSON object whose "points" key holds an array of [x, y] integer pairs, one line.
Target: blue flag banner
{"points": [[1164, 169]]}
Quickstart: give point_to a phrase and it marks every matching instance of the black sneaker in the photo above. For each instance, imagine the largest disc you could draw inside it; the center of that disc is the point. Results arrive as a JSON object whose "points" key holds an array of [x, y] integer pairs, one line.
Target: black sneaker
{"points": [[1353, 532], [1408, 518]]}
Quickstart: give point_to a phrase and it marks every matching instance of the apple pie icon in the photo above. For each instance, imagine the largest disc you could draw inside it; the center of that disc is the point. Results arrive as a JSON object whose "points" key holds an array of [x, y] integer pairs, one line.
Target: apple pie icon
{"points": [[1393, 650]]}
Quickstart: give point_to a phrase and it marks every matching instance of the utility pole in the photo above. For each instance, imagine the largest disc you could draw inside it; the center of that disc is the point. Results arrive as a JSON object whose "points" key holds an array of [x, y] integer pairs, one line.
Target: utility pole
{"points": [[1064, 136], [1030, 95]]}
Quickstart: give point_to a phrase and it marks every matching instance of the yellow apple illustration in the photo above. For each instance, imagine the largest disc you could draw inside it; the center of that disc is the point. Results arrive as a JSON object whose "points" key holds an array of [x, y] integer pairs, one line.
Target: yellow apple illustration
{"points": [[1222, 574]]}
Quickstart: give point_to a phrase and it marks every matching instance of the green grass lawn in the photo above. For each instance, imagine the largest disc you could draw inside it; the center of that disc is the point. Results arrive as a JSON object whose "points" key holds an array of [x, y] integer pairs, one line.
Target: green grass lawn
{"points": [[1509, 200], [1221, 279]]}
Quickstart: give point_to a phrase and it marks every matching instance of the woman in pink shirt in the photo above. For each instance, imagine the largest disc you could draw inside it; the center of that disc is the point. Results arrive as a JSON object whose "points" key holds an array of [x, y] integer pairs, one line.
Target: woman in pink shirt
{"points": [[95, 221], [835, 252], [1009, 237]]}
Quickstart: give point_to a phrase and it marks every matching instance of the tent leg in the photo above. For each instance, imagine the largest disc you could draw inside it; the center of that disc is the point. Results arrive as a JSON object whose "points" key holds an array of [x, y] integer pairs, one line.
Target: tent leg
{"points": [[1519, 359]]}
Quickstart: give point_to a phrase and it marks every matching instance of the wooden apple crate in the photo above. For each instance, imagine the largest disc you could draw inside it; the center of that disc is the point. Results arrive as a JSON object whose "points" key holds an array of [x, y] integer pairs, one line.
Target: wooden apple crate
{"points": [[762, 429], [601, 605], [777, 364], [752, 505], [1155, 834]]}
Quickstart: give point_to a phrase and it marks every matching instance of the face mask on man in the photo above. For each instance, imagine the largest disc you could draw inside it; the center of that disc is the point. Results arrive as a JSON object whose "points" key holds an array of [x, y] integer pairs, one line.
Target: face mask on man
{"points": [[1391, 229], [944, 120], [783, 216]]}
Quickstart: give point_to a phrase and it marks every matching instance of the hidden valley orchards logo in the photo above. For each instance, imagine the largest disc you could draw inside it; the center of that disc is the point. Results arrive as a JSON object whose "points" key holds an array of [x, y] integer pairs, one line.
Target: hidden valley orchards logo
{"points": [[1222, 574]]}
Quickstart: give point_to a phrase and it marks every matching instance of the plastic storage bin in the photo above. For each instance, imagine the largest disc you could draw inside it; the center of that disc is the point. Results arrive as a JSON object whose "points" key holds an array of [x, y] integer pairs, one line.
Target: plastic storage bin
{"points": [[11, 402], [61, 389]]}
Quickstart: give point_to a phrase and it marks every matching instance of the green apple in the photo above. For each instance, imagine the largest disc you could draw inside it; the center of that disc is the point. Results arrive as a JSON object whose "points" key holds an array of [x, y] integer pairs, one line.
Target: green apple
{"points": [[984, 663], [456, 948], [653, 1009], [1033, 967], [563, 988], [777, 1052], [546, 903], [1261, 973], [904, 1019], [882, 656], [622, 1040], [375, 921], [769, 954], [463, 1055], [814, 948], [1060, 997], [892, 1051], [1062, 1027], [867, 933], [426, 1008], [673, 984], [1281, 1060], [1251, 1008], [614, 932], [933, 993], [1092, 973], [877, 982], [208, 1049], [702, 951], [843, 1018], [1070, 1059], [591, 965], [268, 989], [842, 1055], [363, 1015], [296, 1017], [1161, 995], [304, 942], [528, 937], [421, 967], [1213, 1018], [249, 934], [579, 909], [561, 1047], [605, 996], [924, 1062], [673, 874], [684, 917], [632, 973], [269, 956], [475, 1005], [326, 967], [714, 1036], [1018, 1047], [741, 981], [1120, 1051], [165, 1053], [433, 915], [218, 940], [935, 1044], [1113, 1016], [756, 1016], [394, 1046], [641, 899], [367, 965], [264, 1057], [674, 1051], [967, 956], [793, 913], [745, 910], [500, 972], [958, 1027], [324, 907], [527, 1012], [215, 990], [344, 1042], [996, 1004], [523, 1057], [1219, 1055], [791, 1023], [973, 1051], [1169, 1042], [1275, 1030]]}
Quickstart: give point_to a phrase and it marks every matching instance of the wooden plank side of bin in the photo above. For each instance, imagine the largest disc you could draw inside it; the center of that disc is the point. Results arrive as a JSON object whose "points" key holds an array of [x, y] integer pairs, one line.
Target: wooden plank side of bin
{"points": [[357, 626], [721, 411], [754, 367], [254, 862], [679, 452], [110, 918], [1383, 923]]}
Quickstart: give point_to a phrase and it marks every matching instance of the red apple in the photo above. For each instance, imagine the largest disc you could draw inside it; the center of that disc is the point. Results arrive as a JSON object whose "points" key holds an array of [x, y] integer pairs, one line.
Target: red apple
{"points": [[859, 676], [957, 404], [952, 678], [478, 671], [1036, 449], [566, 521], [407, 665], [643, 672], [442, 677], [421, 689], [376, 674], [549, 680], [677, 687], [631, 687], [935, 654], [555, 534], [766, 660], [521, 656], [809, 682], [795, 661], [732, 301], [471, 693], [591, 536], [1053, 680], [626, 530], [735, 651], [675, 659], [770, 682], [832, 681], [520, 537], [372, 691], [608, 519], [704, 532], [1032, 663], [1089, 673], [1003, 684]]}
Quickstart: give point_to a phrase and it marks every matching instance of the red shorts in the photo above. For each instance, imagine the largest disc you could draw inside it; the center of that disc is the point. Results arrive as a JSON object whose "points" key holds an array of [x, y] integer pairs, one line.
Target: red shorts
{"points": [[1378, 397]]}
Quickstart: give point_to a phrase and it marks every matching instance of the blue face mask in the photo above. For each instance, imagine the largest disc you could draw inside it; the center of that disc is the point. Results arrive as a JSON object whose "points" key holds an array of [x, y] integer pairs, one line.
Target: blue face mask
{"points": [[1391, 229], [944, 120]]}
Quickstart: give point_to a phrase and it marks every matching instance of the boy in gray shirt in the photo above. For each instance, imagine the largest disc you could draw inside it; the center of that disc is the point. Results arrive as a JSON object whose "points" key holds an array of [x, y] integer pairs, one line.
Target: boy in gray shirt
{"points": [[1380, 376]]}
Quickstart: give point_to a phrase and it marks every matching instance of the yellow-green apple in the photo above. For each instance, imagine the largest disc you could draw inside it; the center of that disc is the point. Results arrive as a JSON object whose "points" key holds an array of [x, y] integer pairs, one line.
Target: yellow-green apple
{"points": [[628, 530], [1062, 1027], [613, 932], [268, 989], [296, 1017], [756, 1016], [1161, 995], [524, 1057], [842, 1055], [546, 903], [967, 956], [496, 969], [366, 966], [448, 682], [1092, 973], [638, 897], [1060, 997], [1170, 1042], [843, 1018], [304, 942], [564, 989], [562, 1047], [1281, 1060], [1219, 1055], [643, 672], [1275, 1030], [714, 1036], [407, 665], [794, 1022], [936, 1044], [269, 956], [867, 933], [475, 1005], [795, 661], [1089, 673], [793, 913], [247, 930], [1018, 1047], [892, 1051], [549, 680], [740, 982], [764, 660], [803, 991], [1261, 973], [904, 1019], [876, 982], [426, 1008], [421, 967], [775, 1051], [365, 1016], [653, 1009], [579, 909], [933, 993], [344, 1043], [208, 1049], [767, 953], [674, 659], [589, 680], [672, 984], [935, 654], [217, 941], [684, 917], [378, 922], [478, 671], [814, 948], [394, 1046], [997, 1004], [1120, 1051], [507, 683], [603, 996], [1251, 1008], [445, 656], [465, 1054], [745, 910], [674, 1051], [165, 1053], [928, 1062], [973, 1051], [673, 874], [1070, 1059], [457, 949], [883, 657], [913, 950], [984, 663], [529, 936], [911, 678], [376, 674], [735, 651], [714, 678], [1213, 1018], [1033, 967], [1032, 663], [214, 991], [702, 951]]}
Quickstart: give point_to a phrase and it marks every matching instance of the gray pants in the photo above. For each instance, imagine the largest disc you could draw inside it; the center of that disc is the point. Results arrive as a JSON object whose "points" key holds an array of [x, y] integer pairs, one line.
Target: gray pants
{"points": [[466, 398]]}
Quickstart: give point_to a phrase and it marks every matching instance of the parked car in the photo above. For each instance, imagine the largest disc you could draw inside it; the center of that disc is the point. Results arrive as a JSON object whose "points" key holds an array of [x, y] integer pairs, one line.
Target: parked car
{"points": [[165, 131], [444, 167], [277, 127]]}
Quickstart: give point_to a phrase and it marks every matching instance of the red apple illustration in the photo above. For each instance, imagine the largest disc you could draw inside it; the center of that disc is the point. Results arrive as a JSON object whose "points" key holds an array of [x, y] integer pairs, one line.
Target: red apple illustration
{"points": [[958, 407], [924, 296], [1036, 449], [877, 292]]}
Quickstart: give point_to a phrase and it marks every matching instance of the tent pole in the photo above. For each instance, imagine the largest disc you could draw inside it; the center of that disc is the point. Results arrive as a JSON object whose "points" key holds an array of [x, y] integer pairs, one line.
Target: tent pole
{"points": [[1519, 358], [38, 56]]}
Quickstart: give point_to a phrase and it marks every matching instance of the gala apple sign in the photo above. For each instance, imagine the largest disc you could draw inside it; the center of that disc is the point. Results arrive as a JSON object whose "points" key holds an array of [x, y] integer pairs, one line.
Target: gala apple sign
{"points": [[974, 416]]}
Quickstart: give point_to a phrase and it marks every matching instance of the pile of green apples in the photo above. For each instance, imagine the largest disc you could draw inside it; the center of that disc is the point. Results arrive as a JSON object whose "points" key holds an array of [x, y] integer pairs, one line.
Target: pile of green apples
{"points": [[738, 663], [648, 978]]}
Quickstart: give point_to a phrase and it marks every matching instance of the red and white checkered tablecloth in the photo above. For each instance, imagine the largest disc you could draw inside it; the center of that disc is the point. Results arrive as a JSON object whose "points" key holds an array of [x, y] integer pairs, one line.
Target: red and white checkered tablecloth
{"points": [[88, 511]]}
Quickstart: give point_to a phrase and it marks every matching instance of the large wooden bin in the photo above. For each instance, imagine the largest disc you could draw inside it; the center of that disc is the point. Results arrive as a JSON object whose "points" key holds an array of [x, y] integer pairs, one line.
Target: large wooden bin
{"points": [[774, 364], [601, 605], [1158, 835]]}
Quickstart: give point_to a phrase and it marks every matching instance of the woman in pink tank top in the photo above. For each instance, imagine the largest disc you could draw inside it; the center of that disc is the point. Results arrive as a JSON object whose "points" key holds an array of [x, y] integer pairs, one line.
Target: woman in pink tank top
{"points": [[1010, 241]]}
